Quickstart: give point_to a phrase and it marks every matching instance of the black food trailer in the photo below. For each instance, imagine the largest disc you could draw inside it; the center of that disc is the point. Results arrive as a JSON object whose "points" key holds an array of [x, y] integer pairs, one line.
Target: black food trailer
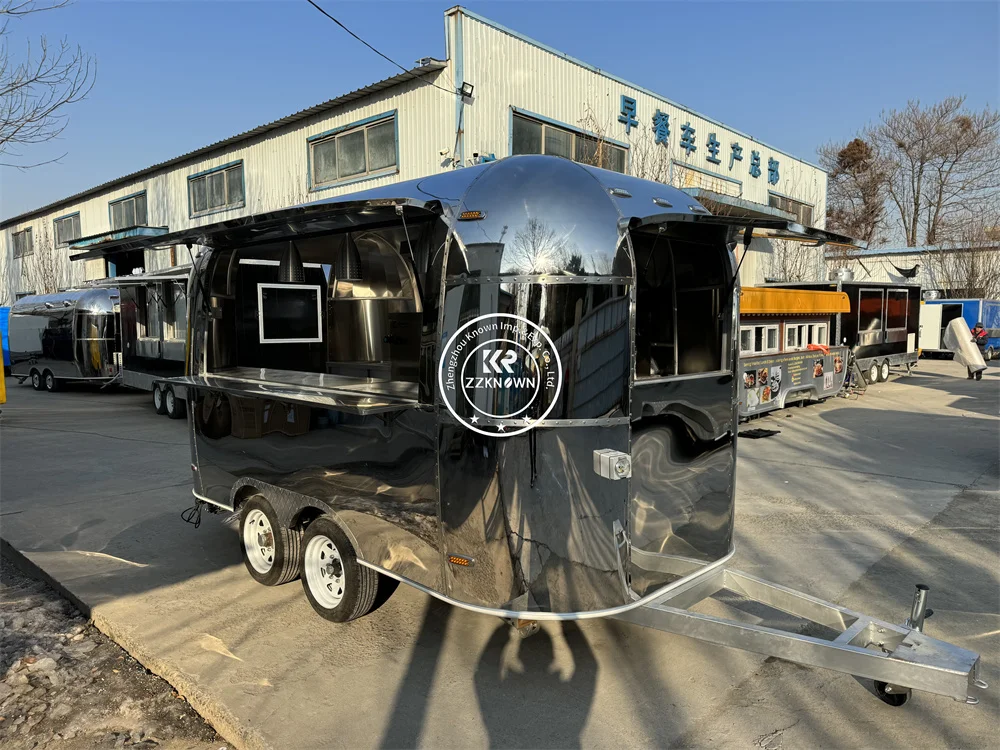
{"points": [[882, 327], [512, 386]]}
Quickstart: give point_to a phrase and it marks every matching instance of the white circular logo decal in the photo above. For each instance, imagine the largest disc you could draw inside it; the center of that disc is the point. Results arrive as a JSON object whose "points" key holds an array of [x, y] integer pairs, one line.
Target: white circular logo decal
{"points": [[497, 371]]}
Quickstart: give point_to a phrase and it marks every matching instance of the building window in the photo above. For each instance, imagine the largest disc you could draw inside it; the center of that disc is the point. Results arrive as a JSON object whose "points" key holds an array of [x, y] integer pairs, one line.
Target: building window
{"points": [[67, 230], [23, 243], [533, 137], [218, 189], [358, 151], [803, 211], [129, 212], [762, 339], [687, 177]]}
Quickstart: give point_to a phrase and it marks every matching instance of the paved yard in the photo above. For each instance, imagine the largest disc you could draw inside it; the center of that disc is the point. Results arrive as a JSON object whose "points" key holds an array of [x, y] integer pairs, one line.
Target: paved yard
{"points": [[853, 501]]}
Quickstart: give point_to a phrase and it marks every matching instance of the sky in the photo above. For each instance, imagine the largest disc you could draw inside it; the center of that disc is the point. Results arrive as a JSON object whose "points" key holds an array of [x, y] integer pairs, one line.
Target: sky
{"points": [[173, 75]]}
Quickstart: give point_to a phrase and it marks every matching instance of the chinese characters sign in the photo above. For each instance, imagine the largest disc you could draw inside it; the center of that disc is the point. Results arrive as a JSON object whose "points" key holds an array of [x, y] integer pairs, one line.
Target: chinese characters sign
{"points": [[689, 141]]}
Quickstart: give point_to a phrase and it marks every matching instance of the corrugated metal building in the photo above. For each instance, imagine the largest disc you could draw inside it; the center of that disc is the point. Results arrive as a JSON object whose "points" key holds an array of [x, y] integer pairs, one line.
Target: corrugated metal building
{"points": [[527, 98], [950, 271]]}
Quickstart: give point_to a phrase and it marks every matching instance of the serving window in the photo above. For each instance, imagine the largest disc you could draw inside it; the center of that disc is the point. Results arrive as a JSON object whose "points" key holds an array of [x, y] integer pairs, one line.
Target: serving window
{"points": [[681, 286], [329, 312]]}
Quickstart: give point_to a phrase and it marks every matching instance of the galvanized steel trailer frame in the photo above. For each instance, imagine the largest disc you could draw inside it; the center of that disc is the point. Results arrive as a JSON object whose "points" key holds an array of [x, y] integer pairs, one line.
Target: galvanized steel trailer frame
{"points": [[900, 657]]}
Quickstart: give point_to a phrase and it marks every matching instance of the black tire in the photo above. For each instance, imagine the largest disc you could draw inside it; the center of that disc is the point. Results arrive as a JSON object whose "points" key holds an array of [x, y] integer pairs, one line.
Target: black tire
{"points": [[990, 354], [158, 401], [883, 371], [891, 699], [285, 543], [359, 584], [51, 383], [872, 375], [36, 380], [173, 406]]}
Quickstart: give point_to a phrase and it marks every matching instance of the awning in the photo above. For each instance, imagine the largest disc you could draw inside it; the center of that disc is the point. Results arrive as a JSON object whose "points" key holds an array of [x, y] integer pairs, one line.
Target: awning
{"points": [[116, 241], [174, 273], [755, 300], [312, 219]]}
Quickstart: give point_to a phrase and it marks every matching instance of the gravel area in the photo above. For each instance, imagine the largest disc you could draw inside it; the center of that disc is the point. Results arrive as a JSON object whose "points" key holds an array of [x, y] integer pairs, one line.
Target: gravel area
{"points": [[66, 685]]}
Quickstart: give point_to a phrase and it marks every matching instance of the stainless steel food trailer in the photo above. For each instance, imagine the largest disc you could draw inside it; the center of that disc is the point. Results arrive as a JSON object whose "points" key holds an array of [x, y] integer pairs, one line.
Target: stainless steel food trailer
{"points": [[882, 326], [511, 386], [153, 332], [71, 335]]}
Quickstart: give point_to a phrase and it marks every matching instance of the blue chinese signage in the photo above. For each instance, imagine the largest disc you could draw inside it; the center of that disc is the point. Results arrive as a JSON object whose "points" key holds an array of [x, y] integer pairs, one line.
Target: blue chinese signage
{"points": [[689, 141]]}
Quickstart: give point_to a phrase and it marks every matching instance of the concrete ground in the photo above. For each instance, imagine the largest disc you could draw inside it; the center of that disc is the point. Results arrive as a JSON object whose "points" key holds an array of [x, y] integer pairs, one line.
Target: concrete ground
{"points": [[853, 501]]}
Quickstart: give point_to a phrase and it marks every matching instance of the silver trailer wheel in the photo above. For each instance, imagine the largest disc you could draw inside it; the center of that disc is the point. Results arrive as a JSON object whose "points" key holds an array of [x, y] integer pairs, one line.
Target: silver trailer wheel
{"points": [[172, 406], [324, 571], [51, 384], [36, 380], [990, 354], [158, 400], [873, 373], [258, 541], [883, 371], [271, 552]]}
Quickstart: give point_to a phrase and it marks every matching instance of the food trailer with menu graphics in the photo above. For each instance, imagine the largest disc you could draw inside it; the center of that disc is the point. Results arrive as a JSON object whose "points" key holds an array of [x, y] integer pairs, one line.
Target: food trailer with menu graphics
{"points": [[785, 351], [512, 386]]}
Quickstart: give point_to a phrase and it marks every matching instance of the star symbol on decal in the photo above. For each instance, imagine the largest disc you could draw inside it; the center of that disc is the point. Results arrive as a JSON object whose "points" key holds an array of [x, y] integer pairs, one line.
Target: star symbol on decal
{"points": [[527, 420], [499, 428], [474, 419]]}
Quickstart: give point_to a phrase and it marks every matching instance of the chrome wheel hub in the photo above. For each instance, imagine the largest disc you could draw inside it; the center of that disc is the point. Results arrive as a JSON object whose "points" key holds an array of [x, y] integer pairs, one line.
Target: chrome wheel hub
{"points": [[258, 539], [324, 571]]}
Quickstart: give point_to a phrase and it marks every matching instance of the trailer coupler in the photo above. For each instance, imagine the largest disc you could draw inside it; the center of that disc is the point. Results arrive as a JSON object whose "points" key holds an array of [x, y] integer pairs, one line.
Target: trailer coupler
{"points": [[898, 658]]}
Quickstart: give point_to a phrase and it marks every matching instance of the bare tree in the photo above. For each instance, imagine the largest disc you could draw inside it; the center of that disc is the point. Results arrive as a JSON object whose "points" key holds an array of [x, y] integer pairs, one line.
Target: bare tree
{"points": [[647, 160], [939, 163], [36, 88], [856, 191], [41, 272], [969, 264]]}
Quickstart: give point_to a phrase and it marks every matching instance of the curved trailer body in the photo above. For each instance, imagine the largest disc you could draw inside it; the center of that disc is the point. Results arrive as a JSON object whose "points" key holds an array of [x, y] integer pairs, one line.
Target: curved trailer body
{"points": [[512, 386], [71, 335]]}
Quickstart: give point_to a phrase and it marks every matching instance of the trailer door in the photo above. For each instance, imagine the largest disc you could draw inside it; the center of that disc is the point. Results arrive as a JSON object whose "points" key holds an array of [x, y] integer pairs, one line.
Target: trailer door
{"points": [[930, 327]]}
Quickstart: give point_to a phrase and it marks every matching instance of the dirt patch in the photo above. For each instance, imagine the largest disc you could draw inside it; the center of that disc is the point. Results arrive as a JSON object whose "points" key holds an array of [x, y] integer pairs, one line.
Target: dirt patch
{"points": [[66, 685]]}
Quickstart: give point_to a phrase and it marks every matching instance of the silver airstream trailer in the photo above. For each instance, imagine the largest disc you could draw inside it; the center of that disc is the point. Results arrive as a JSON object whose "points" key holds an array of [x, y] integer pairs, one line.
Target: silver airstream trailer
{"points": [[71, 335], [512, 386]]}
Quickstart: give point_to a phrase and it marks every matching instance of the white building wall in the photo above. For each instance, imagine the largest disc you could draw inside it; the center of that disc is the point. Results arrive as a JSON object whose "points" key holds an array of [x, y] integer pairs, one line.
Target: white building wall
{"points": [[275, 176], [509, 71]]}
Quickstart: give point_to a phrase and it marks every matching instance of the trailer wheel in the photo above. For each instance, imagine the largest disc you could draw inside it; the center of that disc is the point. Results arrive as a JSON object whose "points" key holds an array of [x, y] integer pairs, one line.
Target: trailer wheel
{"points": [[271, 552], [36, 380], [883, 371], [337, 586], [51, 384], [990, 354], [891, 698], [158, 400], [872, 376], [172, 405]]}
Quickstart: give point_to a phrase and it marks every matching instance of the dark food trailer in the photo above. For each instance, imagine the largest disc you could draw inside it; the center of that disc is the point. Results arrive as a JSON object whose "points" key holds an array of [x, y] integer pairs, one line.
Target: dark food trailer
{"points": [[882, 327], [71, 335], [511, 386]]}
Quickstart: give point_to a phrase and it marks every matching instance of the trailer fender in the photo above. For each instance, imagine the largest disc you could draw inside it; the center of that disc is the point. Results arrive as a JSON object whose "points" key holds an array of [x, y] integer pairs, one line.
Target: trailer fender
{"points": [[292, 508], [808, 390]]}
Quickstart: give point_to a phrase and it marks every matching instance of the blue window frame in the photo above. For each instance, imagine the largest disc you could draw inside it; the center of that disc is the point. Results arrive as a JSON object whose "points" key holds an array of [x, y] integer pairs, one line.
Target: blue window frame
{"points": [[363, 149], [534, 134], [67, 229], [129, 211], [217, 189]]}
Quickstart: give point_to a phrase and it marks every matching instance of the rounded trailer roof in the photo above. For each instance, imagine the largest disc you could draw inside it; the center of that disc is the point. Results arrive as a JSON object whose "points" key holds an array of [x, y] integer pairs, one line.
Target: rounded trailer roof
{"points": [[88, 300]]}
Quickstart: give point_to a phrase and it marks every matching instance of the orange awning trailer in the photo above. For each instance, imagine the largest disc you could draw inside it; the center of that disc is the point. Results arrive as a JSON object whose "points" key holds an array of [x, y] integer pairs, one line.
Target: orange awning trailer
{"points": [[755, 300]]}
